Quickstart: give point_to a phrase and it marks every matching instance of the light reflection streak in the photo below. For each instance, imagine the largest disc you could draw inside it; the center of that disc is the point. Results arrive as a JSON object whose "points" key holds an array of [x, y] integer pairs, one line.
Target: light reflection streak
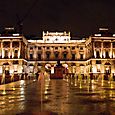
{"points": [[102, 83], [11, 101], [45, 92], [75, 82], [88, 87], [111, 94], [21, 90], [34, 80], [13, 88], [80, 86], [22, 82], [2, 103], [93, 88], [46, 97], [111, 86]]}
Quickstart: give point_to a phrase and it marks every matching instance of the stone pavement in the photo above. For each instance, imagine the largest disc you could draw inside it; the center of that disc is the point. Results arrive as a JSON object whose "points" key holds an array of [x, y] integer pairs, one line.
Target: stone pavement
{"points": [[58, 97]]}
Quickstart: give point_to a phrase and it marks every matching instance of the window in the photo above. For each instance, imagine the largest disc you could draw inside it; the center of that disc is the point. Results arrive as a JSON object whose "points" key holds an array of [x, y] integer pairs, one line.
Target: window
{"points": [[56, 55], [56, 48], [15, 44], [48, 48], [98, 70], [39, 56], [81, 48], [31, 56], [64, 55], [73, 48], [16, 51], [113, 44], [106, 54], [15, 62], [81, 56], [73, 56], [106, 44], [31, 48], [56, 39], [97, 44], [98, 61], [97, 54], [6, 44], [64, 47], [47, 55], [16, 54], [39, 48], [6, 54]]}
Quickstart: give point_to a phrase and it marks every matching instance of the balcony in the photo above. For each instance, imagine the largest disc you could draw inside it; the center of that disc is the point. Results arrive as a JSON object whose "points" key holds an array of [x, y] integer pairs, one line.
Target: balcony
{"points": [[57, 59]]}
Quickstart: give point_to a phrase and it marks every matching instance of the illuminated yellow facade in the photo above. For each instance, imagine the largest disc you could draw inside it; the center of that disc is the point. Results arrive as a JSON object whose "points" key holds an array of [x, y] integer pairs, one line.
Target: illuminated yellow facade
{"points": [[93, 56], [13, 57]]}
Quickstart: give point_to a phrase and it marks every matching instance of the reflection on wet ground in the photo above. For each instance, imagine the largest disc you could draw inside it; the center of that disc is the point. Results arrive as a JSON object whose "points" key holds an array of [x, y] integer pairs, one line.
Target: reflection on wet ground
{"points": [[58, 97]]}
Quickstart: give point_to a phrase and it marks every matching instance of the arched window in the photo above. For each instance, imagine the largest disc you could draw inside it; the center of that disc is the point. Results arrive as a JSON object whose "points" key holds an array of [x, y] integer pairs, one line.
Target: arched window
{"points": [[48, 55], [64, 55], [81, 56], [39, 56], [97, 54], [73, 56], [31, 56], [56, 55], [16, 54], [107, 54]]}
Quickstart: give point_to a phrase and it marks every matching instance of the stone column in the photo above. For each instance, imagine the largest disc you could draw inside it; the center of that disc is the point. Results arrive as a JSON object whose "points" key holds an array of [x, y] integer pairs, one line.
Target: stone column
{"points": [[52, 53], [28, 53], [52, 68], [19, 49], [2, 49], [34, 53], [111, 51], [69, 53], [102, 50], [60, 53], [43, 53], [10, 49]]}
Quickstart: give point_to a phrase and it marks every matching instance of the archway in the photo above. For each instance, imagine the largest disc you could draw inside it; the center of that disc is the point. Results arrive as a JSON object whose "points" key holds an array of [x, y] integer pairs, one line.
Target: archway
{"points": [[107, 71], [6, 68]]}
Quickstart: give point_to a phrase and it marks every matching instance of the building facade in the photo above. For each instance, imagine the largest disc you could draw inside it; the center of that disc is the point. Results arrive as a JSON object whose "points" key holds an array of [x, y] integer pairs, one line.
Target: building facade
{"points": [[13, 56], [92, 57]]}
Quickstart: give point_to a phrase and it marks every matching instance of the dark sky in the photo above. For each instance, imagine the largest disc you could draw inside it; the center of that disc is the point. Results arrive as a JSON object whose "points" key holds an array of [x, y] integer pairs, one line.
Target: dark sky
{"points": [[80, 17]]}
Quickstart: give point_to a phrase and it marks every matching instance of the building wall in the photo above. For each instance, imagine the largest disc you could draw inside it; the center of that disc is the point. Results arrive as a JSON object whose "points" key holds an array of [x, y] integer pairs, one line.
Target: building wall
{"points": [[13, 58], [89, 56], [92, 56]]}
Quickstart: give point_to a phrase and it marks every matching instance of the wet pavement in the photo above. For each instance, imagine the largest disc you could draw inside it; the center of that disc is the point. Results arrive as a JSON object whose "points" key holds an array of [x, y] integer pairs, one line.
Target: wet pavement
{"points": [[58, 97]]}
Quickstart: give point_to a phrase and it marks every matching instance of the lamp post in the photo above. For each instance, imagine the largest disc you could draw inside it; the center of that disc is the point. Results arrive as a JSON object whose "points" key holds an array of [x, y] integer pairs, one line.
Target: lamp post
{"points": [[12, 80], [3, 77], [31, 66]]}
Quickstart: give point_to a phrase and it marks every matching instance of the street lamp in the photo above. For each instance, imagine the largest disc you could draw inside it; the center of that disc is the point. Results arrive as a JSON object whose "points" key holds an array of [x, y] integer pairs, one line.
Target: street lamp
{"points": [[31, 69], [108, 71], [3, 76]]}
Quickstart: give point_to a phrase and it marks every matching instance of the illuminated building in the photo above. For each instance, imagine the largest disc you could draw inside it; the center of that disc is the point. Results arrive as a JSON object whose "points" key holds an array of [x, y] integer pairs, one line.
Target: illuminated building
{"points": [[101, 54], [93, 56], [56, 46], [13, 56]]}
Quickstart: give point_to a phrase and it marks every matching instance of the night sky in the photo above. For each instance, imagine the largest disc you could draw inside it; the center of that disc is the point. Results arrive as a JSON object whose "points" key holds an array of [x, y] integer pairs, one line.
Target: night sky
{"points": [[80, 17]]}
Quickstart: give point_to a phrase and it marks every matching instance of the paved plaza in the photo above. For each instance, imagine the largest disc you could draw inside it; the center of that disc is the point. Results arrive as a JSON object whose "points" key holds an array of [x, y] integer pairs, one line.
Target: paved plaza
{"points": [[58, 97]]}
